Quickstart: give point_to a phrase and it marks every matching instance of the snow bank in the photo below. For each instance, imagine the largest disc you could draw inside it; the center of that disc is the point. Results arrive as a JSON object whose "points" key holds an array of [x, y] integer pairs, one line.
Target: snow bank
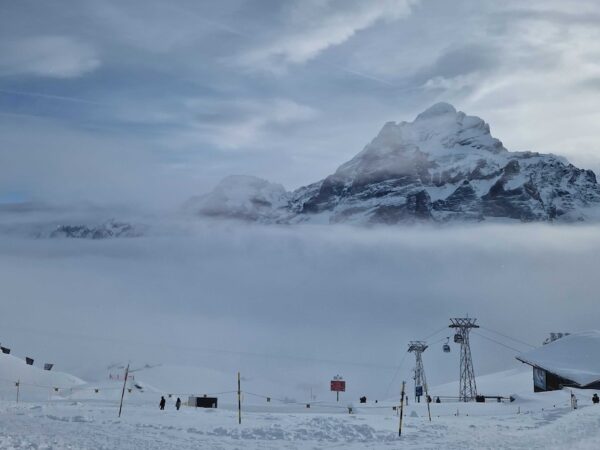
{"points": [[35, 383], [575, 357]]}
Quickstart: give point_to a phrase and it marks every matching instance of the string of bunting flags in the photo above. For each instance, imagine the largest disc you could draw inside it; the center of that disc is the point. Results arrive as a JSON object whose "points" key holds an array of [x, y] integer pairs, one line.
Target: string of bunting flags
{"points": [[28, 360]]}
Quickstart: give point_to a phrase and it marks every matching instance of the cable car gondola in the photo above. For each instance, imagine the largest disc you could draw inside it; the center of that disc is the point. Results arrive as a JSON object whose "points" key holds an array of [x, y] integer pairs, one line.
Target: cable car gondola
{"points": [[458, 338], [446, 346]]}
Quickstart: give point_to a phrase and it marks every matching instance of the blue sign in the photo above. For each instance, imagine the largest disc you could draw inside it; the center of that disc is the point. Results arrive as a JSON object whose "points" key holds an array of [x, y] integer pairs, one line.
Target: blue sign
{"points": [[418, 391]]}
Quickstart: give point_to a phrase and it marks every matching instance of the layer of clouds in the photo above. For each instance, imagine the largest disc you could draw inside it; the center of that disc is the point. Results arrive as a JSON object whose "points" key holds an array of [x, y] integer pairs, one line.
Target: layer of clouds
{"points": [[296, 305]]}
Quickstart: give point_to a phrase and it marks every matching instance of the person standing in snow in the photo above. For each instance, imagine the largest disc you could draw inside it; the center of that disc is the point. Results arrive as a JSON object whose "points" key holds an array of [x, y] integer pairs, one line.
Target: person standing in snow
{"points": [[595, 399], [163, 402], [178, 403]]}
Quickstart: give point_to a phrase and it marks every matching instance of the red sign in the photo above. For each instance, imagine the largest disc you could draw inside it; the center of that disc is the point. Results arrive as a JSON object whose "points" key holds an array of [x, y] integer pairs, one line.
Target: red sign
{"points": [[338, 386]]}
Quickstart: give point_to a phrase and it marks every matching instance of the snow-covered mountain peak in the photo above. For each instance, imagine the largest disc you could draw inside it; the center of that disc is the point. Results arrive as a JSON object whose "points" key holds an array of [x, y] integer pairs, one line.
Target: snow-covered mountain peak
{"points": [[445, 165], [439, 131], [440, 134], [437, 110], [243, 197]]}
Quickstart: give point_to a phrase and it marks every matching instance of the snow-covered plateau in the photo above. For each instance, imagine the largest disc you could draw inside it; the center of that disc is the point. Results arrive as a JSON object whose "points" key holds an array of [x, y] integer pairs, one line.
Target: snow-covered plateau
{"points": [[444, 166], [79, 417]]}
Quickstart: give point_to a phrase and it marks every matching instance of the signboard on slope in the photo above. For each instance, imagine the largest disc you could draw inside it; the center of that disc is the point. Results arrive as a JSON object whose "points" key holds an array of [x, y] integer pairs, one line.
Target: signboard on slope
{"points": [[338, 386]]}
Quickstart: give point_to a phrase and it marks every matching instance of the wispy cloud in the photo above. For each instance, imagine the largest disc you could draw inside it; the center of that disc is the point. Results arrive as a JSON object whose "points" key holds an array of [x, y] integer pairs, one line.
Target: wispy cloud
{"points": [[312, 27], [242, 123], [61, 98], [47, 56]]}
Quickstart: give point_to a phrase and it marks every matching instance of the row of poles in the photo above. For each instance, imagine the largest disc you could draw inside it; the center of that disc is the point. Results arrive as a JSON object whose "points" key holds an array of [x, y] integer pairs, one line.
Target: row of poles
{"points": [[56, 389]]}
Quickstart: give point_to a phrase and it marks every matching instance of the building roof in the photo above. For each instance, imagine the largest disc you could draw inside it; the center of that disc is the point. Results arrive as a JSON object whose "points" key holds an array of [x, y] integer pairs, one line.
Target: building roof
{"points": [[575, 357]]}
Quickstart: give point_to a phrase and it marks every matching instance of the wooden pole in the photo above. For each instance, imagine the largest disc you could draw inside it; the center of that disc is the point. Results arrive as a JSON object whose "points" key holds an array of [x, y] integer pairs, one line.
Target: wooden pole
{"points": [[428, 402], [401, 408], [18, 384], [239, 392], [123, 391]]}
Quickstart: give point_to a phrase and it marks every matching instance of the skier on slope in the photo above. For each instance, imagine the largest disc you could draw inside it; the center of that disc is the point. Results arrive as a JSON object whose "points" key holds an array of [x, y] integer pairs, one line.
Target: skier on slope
{"points": [[595, 399], [178, 403], [162, 402]]}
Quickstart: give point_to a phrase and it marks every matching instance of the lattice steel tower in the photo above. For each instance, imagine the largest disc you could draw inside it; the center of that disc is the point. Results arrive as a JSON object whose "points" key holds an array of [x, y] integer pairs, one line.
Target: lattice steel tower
{"points": [[418, 347], [468, 388]]}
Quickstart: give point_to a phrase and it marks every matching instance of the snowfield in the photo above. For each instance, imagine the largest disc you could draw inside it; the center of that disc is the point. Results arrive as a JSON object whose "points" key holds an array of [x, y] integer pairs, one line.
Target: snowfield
{"points": [[543, 420], [94, 425]]}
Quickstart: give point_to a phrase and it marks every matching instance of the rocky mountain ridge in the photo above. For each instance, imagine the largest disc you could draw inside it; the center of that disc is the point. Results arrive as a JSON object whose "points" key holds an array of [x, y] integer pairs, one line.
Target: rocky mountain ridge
{"points": [[443, 166], [106, 230]]}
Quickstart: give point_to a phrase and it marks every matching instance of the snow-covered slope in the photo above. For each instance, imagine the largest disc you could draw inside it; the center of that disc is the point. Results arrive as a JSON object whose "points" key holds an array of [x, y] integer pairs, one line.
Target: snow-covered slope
{"points": [[35, 383], [505, 383], [186, 380], [445, 165], [243, 197]]}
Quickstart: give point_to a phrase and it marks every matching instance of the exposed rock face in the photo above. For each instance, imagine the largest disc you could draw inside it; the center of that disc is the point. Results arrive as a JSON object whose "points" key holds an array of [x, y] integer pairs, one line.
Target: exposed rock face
{"points": [[443, 166], [110, 229]]}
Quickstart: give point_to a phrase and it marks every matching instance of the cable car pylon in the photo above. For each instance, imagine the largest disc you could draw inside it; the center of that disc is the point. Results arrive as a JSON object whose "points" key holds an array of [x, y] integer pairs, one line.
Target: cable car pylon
{"points": [[467, 386], [418, 347]]}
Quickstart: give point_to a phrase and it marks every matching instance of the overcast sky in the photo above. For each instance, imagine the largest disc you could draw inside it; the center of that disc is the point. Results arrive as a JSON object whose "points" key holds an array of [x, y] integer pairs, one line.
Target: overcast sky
{"points": [[151, 101]]}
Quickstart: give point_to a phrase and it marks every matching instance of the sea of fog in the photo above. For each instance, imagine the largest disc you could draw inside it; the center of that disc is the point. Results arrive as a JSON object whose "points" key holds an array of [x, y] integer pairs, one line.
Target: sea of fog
{"points": [[294, 306]]}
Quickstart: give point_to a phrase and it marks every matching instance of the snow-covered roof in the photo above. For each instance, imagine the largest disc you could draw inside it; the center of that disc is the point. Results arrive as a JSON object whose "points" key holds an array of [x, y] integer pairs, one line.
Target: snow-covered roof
{"points": [[575, 357]]}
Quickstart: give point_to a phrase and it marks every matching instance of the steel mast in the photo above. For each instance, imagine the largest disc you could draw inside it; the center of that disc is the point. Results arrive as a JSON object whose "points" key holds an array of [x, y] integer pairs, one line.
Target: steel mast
{"points": [[468, 388], [418, 347]]}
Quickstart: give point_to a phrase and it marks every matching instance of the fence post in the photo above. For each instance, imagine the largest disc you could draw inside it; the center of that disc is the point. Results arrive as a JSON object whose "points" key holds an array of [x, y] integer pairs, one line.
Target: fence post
{"points": [[123, 391], [239, 393], [401, 409], [428, 400]]}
